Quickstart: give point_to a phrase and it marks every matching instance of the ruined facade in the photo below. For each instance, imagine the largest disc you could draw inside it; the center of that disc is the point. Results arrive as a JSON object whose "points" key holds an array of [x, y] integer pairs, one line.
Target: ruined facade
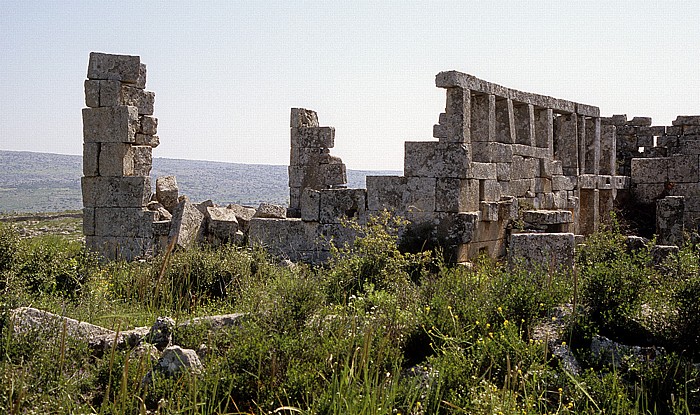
{"points": [[506, 165]]}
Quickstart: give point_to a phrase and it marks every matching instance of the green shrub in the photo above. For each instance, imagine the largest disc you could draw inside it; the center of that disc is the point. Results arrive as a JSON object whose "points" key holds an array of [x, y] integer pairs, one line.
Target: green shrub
{"points": [[9, 244]]}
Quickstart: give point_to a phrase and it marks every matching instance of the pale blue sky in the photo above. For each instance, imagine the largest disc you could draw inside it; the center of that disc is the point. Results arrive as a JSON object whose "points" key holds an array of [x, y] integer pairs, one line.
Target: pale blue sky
{"points": [[226, 73]]}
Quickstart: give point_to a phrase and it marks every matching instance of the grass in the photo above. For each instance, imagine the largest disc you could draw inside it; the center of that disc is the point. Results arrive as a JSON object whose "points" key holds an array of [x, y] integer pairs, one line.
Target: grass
{"points": [[376, 331]]}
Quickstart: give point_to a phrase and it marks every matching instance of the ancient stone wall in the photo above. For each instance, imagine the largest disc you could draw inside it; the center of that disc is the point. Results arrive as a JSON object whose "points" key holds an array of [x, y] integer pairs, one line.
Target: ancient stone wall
{"points": [[505, 163], [661, 161]]}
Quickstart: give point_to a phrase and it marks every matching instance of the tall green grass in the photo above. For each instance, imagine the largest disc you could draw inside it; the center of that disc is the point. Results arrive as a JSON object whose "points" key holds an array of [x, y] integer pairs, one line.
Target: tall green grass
{"points": [[376, 331]]}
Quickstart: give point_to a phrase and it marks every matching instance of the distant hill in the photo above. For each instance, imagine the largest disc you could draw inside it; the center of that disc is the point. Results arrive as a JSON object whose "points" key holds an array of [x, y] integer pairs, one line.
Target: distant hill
{"points": [[43, 182]]}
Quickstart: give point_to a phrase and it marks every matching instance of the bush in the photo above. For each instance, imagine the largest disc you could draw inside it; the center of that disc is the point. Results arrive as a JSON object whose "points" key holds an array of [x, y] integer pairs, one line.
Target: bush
{"points": [[9, 244]]}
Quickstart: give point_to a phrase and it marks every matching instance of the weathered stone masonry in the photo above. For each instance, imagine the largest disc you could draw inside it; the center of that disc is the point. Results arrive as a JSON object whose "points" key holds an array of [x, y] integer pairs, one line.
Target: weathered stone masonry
{"points": [[510, 171]]}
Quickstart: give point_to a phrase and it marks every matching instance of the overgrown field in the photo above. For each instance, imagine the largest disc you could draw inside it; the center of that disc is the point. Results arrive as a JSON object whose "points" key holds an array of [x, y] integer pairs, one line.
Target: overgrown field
{"points": [[376, 331]]}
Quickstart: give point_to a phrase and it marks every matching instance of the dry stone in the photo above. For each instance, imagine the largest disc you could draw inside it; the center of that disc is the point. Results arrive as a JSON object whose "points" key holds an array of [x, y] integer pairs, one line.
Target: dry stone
{"points": [[244, 214], [269, 210], [187, 226], [124, 192], [123, 68], [110, 124], [222, 223], [337, 205], [549, 250], [167, 192]]}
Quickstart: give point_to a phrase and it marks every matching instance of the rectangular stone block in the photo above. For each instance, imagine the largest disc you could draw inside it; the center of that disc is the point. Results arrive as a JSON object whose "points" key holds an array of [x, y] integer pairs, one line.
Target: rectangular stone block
{"points": [[650, 170], [686, 120], [648, 192], [386, 192], [320, 137], [683, 168], [689, 147], [301, 117], [549, 168], [110, 124], [605, 182], [296, 176], [552, 251], [457, 125], [530, 151], [148, 125], [483, 171], [116, 191], [123, 68], [456, 228], [167, 192], [645, 141], [294, 202], [543, 185], [333, 174], [143, 160], [524, 168], [286, 237], [489, 211], [503, 172], [483, 118], [520, 187], [305, 156], [505, 121], [116, 160], [124, 222], [88, 221], [435, 159], [337, 205], [489, 190], [563, 183], [548, 217], [92, 93], [587, 181], [188, 224], [121, 248], [310, 204], [152, 141], [456, 195], [91, 154]]}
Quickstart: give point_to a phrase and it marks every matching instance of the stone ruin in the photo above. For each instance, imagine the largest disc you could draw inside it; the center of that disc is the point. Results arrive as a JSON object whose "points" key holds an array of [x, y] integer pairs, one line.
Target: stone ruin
{"points": [[510, 172]]}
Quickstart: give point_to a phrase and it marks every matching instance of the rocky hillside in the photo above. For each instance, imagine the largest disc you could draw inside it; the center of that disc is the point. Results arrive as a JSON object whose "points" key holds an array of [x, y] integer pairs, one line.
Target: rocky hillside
{"points": [[42, 182]]}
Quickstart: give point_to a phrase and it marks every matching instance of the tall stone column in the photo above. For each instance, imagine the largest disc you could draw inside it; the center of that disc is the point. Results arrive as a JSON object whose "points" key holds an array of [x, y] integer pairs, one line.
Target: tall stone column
{"points": [[118, 138]]}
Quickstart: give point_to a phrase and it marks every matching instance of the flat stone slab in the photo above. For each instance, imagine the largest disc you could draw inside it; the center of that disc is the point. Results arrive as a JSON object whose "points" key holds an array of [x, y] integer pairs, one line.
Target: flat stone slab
{"points": [[551, 251]]}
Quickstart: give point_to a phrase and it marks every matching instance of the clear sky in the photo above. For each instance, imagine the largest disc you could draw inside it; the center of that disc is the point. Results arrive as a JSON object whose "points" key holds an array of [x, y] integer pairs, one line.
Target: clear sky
{"points": [[226, 73]]}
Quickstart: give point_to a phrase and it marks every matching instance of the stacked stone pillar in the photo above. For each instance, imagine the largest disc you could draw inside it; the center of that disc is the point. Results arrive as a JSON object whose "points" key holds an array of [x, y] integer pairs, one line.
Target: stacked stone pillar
{"points": [[311, 164], [118, 138]]}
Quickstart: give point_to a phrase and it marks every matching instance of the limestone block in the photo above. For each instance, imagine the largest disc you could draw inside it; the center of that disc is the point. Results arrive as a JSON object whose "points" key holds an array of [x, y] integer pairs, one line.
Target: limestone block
{"points": [[530, 151], [686, 120], [524, 124], [456, 195], [286, 237], [483, 171], [339, 204], [639, 122], [621, 182], [505, 121], [116, 191], [489, 211], [294, 210], [310, 205], [520, 187], [88, 221], [548, 217], [435, 159], [563, 183], [483, 118], [244, 215], [221, 223], [143, 160], [689, 146], [669, 220], [456, 127], [91, 154], [503, 172], [167, 192], [157, 207], [187, 227], [337, 234], [92, 93], [269, 210], [148, 125], [650, 170], [152, 141], [542, 185], [547, 201], [124, 222], [456, 228], [489, 190], [492, 152], [508, 209], [305, 156], [319, 137], [116, 160], [560, 200], [296, 175], [525, 168], [587, 181], [386, 193], [301, 117], [333, 174], [683, 168], [110, 124], [691, 130], [549, 250], [118, 248], [645, 141], [123, 68], [648, 192], [549, 168], [505, 189], [605, 182], [139, 98], [588, 110]]}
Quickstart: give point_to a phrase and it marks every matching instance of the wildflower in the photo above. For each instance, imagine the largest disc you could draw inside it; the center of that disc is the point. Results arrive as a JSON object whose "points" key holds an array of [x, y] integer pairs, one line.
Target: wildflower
{"points": [[563, 343], [554, 318], [491, 334], [488, 326], [505, 322], [477, 322], [427, 309], [560, 390], [500, 310]]}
